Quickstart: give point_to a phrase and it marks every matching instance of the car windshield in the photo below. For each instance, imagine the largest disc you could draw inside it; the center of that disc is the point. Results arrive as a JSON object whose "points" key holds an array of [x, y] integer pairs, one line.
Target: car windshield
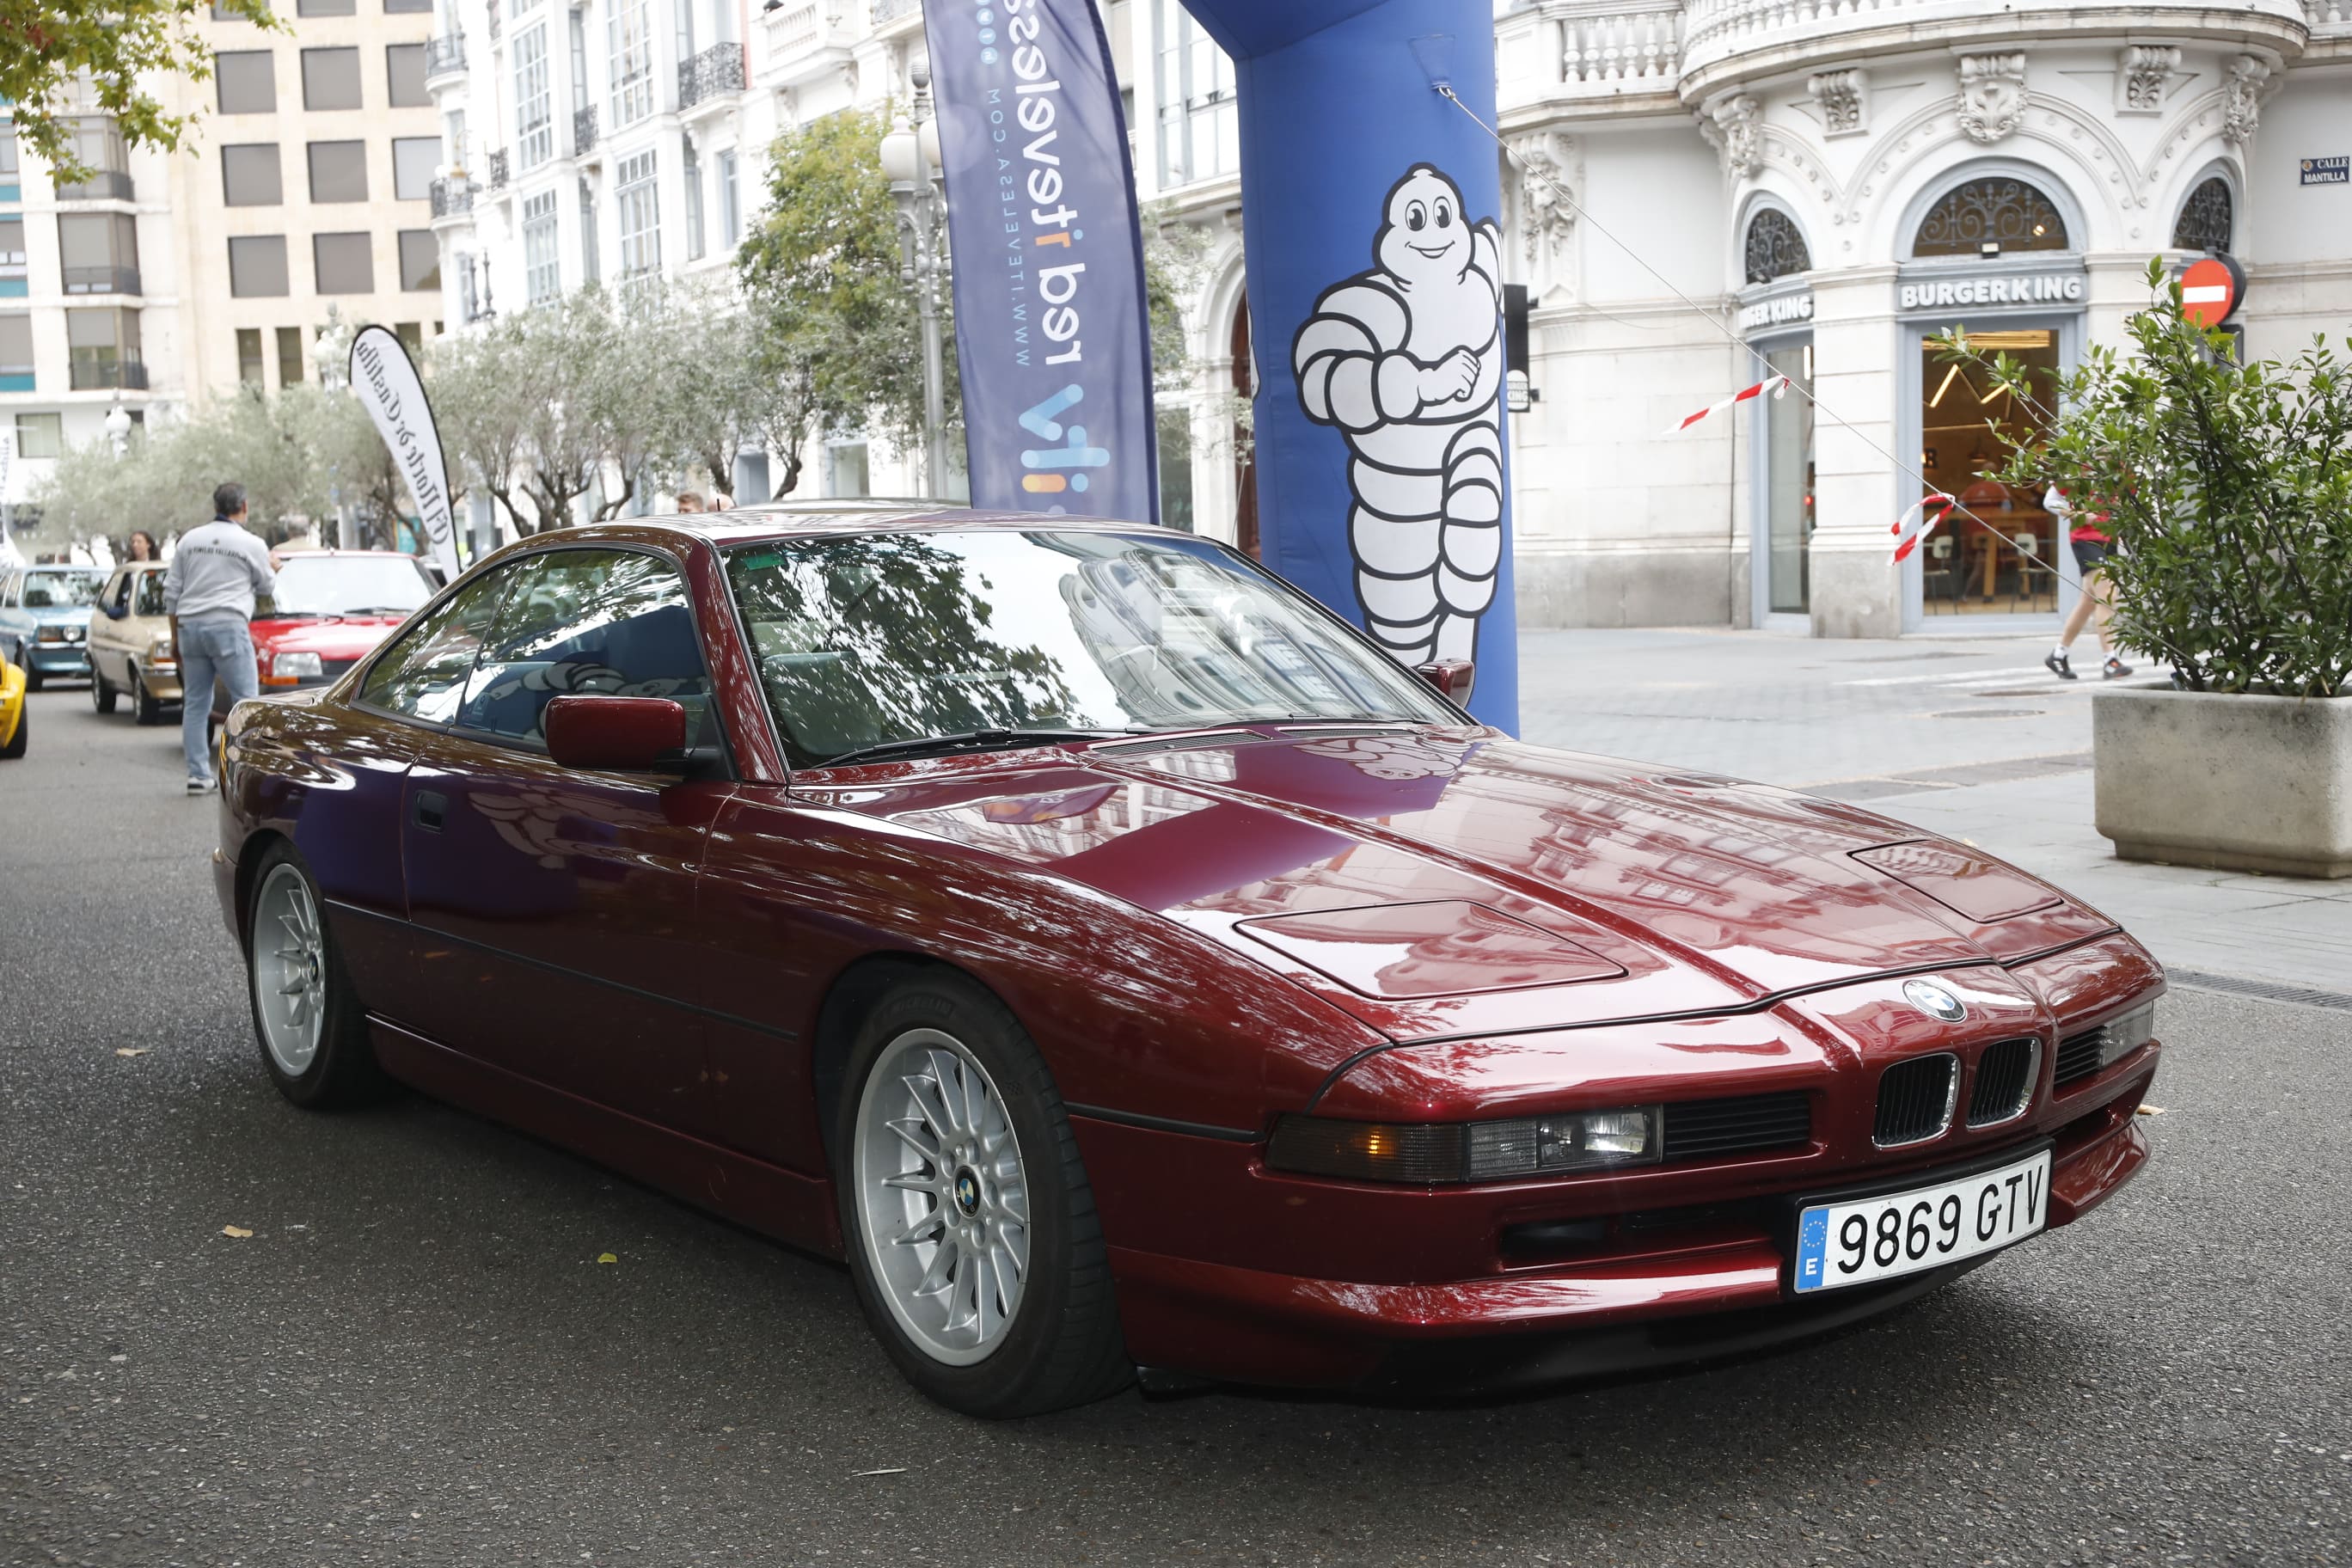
{"points": [[347, 585], [879, 638], [62, 589]]}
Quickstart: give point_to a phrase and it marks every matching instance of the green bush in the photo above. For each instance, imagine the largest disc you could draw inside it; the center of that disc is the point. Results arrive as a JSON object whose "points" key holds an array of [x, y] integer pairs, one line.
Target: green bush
{"points": [[2229, 492]]}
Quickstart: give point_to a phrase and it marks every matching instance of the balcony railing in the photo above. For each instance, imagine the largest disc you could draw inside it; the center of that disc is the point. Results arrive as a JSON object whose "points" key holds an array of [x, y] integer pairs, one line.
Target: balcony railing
{"points": [[103, 186], [97, 376], [444, 56], [807, 38], [497, 162], [101, 279], [891, 10], [584, 132], [717, 70], [452, 197]]}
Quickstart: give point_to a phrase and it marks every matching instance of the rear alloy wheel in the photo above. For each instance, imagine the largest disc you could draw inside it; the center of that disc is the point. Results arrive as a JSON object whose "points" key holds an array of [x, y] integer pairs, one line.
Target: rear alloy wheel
{"points": [[146, 708], [101, 690], [971, 1229], [16, 746], [312, 1031]]}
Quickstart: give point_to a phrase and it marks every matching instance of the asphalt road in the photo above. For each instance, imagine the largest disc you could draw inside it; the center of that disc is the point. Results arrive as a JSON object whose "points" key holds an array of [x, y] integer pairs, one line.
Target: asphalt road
{"points": [[415, 1356]]}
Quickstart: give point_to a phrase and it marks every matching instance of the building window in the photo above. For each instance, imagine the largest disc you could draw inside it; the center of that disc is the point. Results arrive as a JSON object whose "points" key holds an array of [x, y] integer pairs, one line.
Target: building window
{"points": [[249, 176], [730, 204], [407, 7], [16, 354], [403, 75], [1776, 246], [38, 436], [343, 263], [8, 154], [249, 357], [12, 242], [412, 337], [102, 350], [326, 7], [97, 143], [330, 78], [592, 267], [694, 245], [639, 209], [256, 266], [1987, 216], [413, 159], [629, 49], [247, 80], [339, 172], [1200, 124], [290, 356], [582, 104], [420, 260], [100, 252], [535, 102], [2207, 218], [1175, 430], [541, 279]]}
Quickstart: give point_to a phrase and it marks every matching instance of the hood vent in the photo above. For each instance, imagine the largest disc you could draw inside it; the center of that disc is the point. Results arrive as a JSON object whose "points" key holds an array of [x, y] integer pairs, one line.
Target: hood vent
{"points": [[1976, 886]]}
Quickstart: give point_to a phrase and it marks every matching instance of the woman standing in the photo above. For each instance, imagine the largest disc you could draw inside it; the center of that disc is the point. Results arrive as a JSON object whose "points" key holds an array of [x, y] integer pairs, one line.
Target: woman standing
{"points": [[2091, 545], [143, 546]]}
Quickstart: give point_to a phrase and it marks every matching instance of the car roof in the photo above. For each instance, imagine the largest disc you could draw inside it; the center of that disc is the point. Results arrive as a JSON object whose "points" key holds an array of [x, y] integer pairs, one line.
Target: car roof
{"points": [[832, 517]]}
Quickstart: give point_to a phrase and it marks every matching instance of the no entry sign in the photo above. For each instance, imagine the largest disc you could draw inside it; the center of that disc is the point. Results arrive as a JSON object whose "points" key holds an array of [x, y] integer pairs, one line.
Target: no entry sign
{"points": [[2210, 289]]}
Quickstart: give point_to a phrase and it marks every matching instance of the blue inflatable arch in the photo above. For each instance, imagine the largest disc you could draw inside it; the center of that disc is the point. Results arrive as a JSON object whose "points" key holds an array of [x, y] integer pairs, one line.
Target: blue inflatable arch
{"points": [[1370, 205]]}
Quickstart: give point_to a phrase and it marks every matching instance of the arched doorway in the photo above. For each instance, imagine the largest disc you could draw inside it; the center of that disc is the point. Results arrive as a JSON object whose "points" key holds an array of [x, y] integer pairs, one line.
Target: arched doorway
{"points": [[1996, 252], [1245, 377], [1776, 319]]}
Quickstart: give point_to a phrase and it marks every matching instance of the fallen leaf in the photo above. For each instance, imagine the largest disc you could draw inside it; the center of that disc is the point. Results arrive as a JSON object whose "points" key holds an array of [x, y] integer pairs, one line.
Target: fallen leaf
{"points": [[2151, 1110], [237, 1230], [606, 1257], [132, 1050], [894, 1471]]}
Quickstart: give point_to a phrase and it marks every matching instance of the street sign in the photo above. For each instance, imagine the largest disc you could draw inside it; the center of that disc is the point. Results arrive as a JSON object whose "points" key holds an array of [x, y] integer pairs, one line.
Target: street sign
{"points": [[2210, 289], [2335, 170]]}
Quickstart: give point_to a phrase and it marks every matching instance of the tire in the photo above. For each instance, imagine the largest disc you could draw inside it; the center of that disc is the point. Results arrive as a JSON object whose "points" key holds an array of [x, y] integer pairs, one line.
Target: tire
{"points": [[34, 678], [307, 1019], [954, 1211], [101, 690], [16, 746], [146, 708]]}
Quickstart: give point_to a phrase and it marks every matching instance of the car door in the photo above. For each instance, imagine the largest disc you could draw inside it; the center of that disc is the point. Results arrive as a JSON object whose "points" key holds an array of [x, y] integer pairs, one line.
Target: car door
{"points": [[107, 620], [566, 899]]}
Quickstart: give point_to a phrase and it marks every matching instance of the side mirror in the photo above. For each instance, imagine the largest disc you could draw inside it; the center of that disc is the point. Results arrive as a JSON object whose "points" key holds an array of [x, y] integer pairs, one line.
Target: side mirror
{"points": [[1452, 677], [614, 734]]}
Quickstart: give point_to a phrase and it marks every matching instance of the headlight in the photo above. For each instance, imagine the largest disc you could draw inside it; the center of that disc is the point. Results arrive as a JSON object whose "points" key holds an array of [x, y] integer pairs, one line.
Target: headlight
{"points": [[2121, 1036], [161, 651], [50, 634], [1475, 1152], [297, 667]]}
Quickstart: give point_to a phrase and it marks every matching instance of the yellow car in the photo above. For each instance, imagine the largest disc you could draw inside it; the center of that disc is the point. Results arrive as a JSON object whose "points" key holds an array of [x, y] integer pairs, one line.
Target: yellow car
{"points": [[13, 717]]}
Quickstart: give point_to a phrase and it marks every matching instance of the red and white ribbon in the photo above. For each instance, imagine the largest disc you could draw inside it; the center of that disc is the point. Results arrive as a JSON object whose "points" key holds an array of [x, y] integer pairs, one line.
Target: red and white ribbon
{"points": [[1919, 519], [1777, 385]]}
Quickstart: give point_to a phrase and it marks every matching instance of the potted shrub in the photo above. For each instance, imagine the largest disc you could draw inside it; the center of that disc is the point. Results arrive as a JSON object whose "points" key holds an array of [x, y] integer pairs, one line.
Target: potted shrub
{"points": [[2229, 491]]}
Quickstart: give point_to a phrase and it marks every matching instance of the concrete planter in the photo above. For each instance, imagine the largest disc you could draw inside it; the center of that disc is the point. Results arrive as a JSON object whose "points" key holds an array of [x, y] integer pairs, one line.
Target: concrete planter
{"points": [[2255, 784]]}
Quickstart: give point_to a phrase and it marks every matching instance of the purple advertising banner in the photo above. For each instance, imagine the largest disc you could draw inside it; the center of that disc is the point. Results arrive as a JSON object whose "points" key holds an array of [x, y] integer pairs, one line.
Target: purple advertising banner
{"points": [[1052, 335]]}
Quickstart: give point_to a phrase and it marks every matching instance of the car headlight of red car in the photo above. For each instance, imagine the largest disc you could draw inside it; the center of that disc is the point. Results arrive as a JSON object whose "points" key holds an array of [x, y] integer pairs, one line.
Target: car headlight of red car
{"points": [[287, 668], [1423, 1153]]}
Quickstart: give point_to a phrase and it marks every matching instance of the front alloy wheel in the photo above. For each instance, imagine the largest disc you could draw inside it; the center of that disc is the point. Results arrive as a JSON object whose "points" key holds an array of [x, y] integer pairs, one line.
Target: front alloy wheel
{"points": [[312, 1030]]}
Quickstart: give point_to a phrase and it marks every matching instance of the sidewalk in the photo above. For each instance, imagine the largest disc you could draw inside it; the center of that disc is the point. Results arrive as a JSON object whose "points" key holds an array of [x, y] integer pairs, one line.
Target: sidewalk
{"points": [[1968, 737]]}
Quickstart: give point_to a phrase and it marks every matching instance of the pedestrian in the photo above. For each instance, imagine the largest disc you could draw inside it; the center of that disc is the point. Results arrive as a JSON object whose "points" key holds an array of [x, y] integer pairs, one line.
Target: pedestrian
{"points": [[209, 592], [689, 501], [2088, 539], [143, 546]]}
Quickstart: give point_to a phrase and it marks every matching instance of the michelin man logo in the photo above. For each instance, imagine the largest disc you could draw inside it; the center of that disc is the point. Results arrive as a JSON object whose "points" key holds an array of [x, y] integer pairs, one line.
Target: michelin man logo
{"points": [[1407, 360]]}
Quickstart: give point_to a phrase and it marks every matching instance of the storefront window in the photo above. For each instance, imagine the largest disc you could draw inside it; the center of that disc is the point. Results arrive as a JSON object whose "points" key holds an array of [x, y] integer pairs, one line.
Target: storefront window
{"points": [[1996, 557], [1789, 482]]}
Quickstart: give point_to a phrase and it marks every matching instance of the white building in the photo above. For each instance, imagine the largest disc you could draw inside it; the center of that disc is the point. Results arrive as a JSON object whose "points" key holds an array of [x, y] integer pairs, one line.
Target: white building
{"points": [[1751, 186]]}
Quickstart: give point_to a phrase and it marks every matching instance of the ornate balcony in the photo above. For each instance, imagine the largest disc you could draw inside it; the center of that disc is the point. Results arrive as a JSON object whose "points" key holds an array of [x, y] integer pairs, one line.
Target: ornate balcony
{"points": [[807, 38], [1624, 55], [584, 132], [886, 12], [444, 56], [716, 72], [453, 197]]}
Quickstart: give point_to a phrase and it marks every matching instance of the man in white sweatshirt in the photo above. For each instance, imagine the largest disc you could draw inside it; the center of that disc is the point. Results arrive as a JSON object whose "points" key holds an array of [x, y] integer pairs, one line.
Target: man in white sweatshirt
{"points": [[209, 592]]}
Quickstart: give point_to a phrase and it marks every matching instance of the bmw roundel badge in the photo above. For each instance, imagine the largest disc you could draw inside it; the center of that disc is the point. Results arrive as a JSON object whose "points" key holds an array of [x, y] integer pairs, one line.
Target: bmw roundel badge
{"points": [[967, 1192], [1935, 1001]]}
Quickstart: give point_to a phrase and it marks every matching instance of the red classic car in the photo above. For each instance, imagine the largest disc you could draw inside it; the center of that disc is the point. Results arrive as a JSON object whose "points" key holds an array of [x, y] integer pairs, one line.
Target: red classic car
{"points": [[327, 609], [1124, 966]]}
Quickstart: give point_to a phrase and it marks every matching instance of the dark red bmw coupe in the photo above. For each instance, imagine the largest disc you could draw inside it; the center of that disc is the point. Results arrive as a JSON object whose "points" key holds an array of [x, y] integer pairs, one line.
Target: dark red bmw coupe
{"points": [[1124, 966]]}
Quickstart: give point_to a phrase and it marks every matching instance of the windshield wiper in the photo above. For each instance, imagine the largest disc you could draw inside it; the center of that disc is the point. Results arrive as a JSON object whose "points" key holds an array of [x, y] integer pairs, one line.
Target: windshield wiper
{"points": [[974, 740]]}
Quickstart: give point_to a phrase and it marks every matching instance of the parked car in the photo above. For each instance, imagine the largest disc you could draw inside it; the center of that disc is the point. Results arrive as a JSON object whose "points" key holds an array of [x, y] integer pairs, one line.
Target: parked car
{"points": [[1125, 966], [14, 721], [327, 609], [131, 651], [45, 619]]}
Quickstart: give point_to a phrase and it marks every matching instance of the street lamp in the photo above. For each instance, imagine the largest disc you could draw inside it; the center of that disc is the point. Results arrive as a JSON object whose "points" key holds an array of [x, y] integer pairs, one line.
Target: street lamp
{"points": [[118, 427], [331, 353], [910, 162]]}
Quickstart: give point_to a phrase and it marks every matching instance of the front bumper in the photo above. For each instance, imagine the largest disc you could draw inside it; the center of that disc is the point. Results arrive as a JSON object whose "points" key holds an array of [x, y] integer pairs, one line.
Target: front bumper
{"points": [[67, 659], [162, 682], [1715, 1285]]}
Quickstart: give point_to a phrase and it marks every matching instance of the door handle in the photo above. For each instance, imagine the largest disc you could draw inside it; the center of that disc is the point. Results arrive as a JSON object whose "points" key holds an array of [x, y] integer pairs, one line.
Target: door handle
{"points": [[430, 809]]}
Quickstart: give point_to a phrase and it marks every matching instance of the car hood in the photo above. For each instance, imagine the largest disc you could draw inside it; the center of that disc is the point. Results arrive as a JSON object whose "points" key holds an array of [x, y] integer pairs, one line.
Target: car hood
{"points": [[346, 637], [59, 615], [1435, 883]]}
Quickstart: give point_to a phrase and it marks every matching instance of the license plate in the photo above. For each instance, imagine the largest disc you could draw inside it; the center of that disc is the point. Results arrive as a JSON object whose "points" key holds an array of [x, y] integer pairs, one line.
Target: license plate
{"points": [[1854, 1243]]}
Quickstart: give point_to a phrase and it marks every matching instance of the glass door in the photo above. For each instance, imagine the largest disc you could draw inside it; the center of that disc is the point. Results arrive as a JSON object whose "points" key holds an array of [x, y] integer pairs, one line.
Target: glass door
{"points": [[1787, 484]]}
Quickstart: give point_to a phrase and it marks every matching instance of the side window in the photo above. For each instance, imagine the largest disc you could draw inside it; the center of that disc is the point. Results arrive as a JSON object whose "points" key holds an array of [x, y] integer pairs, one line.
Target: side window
{"points": [[118, 593], [150, 593], [591, 621], [424, 675]]}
